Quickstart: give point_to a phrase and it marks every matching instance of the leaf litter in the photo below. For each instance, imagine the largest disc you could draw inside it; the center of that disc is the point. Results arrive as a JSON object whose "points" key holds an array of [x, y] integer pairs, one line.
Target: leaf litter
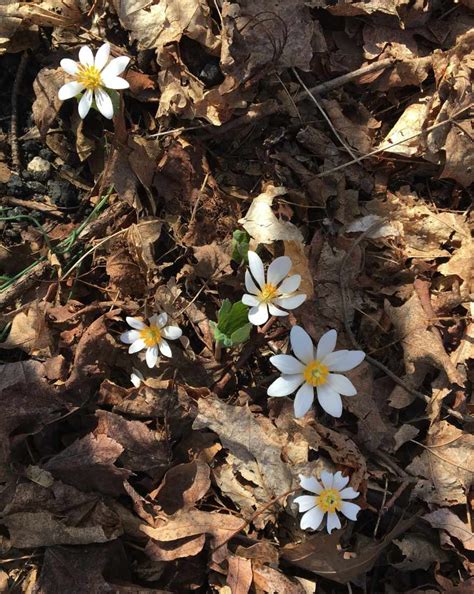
{"points": [[336, 134]]}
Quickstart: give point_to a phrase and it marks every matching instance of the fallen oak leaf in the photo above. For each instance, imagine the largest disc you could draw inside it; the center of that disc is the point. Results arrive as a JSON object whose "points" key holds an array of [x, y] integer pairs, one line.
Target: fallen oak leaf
{"points": [[182, 486], [446, 520]]}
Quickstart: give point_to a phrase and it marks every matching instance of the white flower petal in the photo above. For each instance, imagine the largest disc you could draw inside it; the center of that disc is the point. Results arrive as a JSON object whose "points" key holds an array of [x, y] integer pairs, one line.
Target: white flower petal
{"points": [[349, 493], [340, 481], [278, 270], [343, 360], [86, 57], [290, 284], [303, 400], [69, 66], [104, 103], [350, 510], [312, 519], [309, 483], [258, 315], [69, 90], [250, 300], [290, 302], [135, 323], [302, 344], [341, 384], [329, 400], [85, 104], [130, 336], [115, 67], [250, 284], [284, 385], [274, 311], [172, 332], [256, 268], [305, 502], [165, 348], [115, 82], [327, 478], [162, 319], [326, 344], [333, 522], [102, 56], [136, 346], [287, 364], [151, 356], [136, 378]]}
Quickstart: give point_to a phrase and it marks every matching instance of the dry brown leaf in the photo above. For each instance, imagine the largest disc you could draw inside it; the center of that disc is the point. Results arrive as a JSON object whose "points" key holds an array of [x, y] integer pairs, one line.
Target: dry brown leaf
{"points": [[191, 523], [399, 140], [88, 464], [271, 580], [257, 35], [422, 348], [419, 553], [143, 450], [239, 574], [300, 265], [213, 260], [157, 25], [445, 466], [47, 103], [58, 515], [30, 332], [182, 487], [461, 263], [141, 240], [404, 434], [261, 223], [254, 446], [446, 520], [177, 549], [322, 555], [126, 278]]}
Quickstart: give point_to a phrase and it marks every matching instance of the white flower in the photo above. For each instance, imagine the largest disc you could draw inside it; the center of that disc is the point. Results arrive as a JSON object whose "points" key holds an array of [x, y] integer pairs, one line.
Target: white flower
{"points": [[312, 368], [94, 76], [150, 337], [329, 498], [265, 294], [136, 377]]}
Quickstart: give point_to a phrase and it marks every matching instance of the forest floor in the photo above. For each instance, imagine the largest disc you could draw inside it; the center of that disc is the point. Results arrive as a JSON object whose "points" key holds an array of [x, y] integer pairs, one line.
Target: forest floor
{"points": [[338, 134]]}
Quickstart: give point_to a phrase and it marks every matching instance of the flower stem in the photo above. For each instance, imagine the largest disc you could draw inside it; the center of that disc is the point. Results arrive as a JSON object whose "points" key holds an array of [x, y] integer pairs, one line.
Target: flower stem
{"points": [[218, 351], [268, 325]]}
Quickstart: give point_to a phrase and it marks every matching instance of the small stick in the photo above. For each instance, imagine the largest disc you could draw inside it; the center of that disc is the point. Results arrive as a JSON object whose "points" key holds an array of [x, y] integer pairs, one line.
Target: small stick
{"points": [[15, 150], [391, 502]]}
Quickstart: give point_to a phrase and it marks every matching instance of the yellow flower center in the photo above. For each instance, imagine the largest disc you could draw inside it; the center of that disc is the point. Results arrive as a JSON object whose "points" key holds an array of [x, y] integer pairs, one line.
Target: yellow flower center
{"points": [[315, 373], [151, 335], [267, 293], [329, 500], [89, 76]]}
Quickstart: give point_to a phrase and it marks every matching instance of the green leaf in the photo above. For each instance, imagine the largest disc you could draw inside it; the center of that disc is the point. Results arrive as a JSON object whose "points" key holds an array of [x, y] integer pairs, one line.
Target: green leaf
{"points": [[240, 246], [232, 326]]}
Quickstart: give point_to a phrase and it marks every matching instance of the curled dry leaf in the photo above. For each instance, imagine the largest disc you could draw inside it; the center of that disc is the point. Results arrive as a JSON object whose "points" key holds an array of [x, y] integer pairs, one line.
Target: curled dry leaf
{"points": [[418, 552], [239, 574], [261, 223], [270, 579], [30, 332], [445, 467], [182, 487], [300, 265], [194, 523], [47, 103]]}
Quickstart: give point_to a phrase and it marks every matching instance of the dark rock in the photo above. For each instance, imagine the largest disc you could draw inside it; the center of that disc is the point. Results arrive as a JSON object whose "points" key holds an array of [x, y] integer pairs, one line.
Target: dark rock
{"points": [[62, 193]]}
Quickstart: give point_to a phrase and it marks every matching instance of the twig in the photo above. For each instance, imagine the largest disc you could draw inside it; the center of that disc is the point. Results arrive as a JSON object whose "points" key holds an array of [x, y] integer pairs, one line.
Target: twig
{"points": [[355, 344], [15, 150], [32, 205], [324, 114]]}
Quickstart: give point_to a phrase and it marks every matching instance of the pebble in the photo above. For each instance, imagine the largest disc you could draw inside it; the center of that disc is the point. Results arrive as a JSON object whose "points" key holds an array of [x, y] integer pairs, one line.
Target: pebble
{"points": [[39, 168]]}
